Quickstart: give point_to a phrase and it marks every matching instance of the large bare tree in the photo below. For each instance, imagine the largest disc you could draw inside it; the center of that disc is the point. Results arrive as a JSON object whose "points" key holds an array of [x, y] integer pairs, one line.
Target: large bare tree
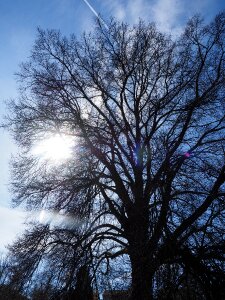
{"points": [[147, 173]]}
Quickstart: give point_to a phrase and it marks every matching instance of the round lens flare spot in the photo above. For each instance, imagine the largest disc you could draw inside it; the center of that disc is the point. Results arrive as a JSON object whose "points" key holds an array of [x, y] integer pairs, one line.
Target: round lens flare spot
{"points": [[55, 148], [187, 154]]}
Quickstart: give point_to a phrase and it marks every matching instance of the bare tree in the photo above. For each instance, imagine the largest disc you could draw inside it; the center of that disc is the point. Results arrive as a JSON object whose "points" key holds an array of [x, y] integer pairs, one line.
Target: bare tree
{"points": [[147, 175]]}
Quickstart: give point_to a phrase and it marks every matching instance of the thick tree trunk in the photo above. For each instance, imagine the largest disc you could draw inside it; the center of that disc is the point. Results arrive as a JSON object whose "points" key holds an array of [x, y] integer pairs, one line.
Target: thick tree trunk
{"points": [[141, 263], [142, 267], [142, 276]]}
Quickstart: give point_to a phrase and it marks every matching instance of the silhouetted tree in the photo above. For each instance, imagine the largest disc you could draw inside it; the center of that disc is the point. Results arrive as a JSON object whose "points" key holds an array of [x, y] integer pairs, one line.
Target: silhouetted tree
{"points": [[147, 174]]}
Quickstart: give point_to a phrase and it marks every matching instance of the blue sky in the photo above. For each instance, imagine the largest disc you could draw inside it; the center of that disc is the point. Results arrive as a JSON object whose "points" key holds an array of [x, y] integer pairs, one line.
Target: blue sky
{"points": [[19, 20]]}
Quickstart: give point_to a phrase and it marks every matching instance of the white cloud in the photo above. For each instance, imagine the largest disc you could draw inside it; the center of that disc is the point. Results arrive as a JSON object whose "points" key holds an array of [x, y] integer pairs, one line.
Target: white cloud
{"points": [[139, 9], [166, 13], [115, 8], [129, 11], [169, 15]]}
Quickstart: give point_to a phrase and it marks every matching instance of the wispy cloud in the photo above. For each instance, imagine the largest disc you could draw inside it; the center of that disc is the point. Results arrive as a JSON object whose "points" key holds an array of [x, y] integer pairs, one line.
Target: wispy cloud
{"points": [[129, 11], [169, 15], [166, 13]]}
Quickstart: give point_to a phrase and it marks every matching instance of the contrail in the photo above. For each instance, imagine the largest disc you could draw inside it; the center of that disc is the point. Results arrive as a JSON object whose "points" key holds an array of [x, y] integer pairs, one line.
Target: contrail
{"points": [[96, 14]]}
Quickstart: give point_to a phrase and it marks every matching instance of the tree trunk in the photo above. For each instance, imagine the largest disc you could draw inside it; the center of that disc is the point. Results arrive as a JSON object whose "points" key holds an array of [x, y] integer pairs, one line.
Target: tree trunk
{"points": [[142, 276], [141, 262]]}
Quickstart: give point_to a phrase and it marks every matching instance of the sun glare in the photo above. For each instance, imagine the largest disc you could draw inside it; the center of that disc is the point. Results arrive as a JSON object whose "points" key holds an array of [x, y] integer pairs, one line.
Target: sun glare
{"points": [[55, 148]]}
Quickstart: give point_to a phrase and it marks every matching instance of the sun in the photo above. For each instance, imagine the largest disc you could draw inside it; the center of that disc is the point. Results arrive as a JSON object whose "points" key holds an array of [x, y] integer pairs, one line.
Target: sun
{"points": [[55, 148]]}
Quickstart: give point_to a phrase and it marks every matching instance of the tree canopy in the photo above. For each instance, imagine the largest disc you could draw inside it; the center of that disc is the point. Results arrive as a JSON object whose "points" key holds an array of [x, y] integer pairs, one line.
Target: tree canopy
{"points": [[146, 179]]}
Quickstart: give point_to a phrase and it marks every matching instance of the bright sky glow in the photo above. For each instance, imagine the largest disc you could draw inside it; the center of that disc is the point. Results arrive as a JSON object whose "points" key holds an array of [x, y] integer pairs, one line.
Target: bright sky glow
{"points": [[56, 148]]}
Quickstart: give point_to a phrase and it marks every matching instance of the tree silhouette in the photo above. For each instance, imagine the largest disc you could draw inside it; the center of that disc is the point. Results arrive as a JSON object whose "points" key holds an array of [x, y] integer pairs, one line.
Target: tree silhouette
{"points": [[147, 174]]}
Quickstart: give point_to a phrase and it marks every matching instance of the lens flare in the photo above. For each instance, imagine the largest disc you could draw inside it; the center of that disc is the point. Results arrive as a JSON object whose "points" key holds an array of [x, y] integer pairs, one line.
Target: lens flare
{"points": [[187, 154]]}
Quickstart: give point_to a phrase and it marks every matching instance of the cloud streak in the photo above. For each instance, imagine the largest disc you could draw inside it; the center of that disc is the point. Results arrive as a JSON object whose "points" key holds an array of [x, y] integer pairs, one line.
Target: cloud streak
{"points": [[96, 14]]}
